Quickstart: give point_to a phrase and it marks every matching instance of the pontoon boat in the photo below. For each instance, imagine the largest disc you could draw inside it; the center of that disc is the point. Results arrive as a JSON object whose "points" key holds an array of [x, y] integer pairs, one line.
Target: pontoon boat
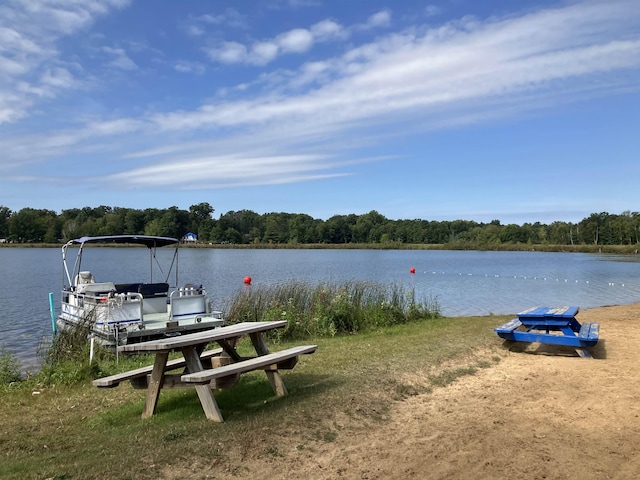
{"points": [[120, 313]]}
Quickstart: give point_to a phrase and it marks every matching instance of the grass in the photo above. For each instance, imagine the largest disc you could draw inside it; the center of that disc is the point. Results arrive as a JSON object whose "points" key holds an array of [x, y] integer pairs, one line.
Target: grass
{"points": [[327, 309], [351, 383], [9, 367]]}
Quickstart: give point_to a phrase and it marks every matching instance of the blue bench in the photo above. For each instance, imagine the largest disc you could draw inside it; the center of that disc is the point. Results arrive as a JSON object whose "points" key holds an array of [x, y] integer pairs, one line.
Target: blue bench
{"points": [[508, 328]]}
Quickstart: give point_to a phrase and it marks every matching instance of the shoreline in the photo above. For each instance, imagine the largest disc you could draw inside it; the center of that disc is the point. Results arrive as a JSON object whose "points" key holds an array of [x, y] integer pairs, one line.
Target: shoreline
{"points": [[595, 249]]}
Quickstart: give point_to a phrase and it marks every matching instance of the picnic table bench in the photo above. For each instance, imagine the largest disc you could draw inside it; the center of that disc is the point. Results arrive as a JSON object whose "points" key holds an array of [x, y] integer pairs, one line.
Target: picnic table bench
{"points": [[139, 376], [552, 325], [224, 369]]}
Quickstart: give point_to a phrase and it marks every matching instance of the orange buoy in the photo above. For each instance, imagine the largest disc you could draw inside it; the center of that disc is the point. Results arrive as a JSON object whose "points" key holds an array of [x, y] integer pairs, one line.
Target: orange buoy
{"points": [[247, 280], [412, 270]]}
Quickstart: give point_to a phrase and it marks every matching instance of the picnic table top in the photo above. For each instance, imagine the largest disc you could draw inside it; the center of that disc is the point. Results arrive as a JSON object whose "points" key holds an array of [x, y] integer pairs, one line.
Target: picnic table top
{"points": [[549, 312], [198, 338]]}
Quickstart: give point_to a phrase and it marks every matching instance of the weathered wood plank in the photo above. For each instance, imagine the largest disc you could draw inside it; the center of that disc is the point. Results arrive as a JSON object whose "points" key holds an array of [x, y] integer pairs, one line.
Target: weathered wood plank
{"points": [[155, 384], [589, 331], [138, 375], [508, 327], [248, 365], [277, 385], [209, 405], [207, 336]]}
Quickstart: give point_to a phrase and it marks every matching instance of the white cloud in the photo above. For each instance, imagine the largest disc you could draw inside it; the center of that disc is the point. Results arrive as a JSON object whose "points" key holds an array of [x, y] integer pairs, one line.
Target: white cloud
{"points": [[230, 18], [227, 170], [228, 52], [462, 72], [264, 52], [195, 30], [30, 64], [379, 19], [297, 41], [120, 59], [328, 30], [59, 78], [189, 67]]}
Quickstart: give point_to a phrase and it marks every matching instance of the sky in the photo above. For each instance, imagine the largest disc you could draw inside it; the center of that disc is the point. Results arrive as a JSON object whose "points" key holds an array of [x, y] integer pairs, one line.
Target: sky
{"points": [[519, 111]]}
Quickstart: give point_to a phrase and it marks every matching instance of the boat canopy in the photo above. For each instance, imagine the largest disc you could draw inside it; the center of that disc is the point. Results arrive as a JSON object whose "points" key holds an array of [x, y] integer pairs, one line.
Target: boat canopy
{"points": [[148, 240], [151, 242]]}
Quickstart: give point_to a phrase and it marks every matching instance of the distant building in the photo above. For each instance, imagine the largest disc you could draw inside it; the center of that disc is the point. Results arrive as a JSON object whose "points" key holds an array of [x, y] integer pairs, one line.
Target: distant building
{"points": [[190, 238]]}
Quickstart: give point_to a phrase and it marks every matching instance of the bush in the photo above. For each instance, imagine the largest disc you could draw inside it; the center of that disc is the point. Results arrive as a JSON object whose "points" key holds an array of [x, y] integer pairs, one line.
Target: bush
{"points": [[9, 367], [66, 360]]}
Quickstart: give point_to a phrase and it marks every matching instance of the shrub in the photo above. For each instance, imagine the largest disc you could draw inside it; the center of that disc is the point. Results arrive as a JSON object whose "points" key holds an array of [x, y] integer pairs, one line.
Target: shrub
{"points": [[9, 367]]}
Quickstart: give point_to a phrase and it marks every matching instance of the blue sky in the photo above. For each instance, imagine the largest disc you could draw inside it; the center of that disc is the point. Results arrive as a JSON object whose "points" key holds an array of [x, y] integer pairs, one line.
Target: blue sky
{"points": [[520, 111]]}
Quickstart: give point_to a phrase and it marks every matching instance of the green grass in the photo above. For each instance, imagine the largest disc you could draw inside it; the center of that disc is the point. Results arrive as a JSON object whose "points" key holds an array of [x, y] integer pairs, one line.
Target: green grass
{"points": [[327, 309], [56, 430]]}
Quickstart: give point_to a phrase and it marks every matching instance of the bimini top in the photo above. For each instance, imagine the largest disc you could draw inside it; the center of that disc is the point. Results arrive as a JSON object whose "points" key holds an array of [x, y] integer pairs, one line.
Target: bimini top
{"points": [[147, 240]]}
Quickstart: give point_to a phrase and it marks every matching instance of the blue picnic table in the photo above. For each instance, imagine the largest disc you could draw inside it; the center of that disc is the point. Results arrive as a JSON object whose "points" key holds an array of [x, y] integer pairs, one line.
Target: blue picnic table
{"points": [[551, 325]]}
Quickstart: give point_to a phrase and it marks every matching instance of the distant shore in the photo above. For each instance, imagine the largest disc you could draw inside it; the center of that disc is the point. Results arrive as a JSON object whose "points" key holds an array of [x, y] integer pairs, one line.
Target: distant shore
{"points": [[518, 247]]}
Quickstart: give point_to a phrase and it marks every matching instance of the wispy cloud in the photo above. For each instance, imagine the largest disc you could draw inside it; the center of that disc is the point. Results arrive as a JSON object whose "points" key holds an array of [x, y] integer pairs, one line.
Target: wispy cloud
{"points": [[461, 72], [30, 63], [189, 67], [119, 59], [380, 19], [200, 25], [227, 170]]}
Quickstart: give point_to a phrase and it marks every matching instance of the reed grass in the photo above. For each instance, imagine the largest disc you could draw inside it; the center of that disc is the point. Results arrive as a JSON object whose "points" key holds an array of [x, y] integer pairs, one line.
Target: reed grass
{"points": [[329, 309]]}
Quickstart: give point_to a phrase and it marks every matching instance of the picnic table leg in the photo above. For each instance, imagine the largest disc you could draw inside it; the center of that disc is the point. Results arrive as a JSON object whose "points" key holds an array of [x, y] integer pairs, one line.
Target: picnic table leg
{"points": [[204, 392], [155, 385], [583, 353], [277, 384]]}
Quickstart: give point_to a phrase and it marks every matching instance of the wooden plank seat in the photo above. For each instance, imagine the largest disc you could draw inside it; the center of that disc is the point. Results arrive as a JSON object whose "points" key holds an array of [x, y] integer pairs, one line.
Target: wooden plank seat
{"points": [[114, 380], [506, 330], [284, 359], [589, 334]]}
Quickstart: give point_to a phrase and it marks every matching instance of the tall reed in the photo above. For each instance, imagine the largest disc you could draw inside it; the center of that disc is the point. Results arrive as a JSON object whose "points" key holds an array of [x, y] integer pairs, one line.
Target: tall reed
{"points": [[327, 309]]}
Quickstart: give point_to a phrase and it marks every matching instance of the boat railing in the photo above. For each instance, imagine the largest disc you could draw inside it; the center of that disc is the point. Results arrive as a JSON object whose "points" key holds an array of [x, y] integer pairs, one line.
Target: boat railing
{"points": [[188, 301], [102, 304]]}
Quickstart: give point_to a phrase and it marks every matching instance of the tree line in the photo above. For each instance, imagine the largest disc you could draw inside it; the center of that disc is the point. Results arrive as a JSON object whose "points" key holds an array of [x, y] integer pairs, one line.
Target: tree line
{"points": [[30, 225]]}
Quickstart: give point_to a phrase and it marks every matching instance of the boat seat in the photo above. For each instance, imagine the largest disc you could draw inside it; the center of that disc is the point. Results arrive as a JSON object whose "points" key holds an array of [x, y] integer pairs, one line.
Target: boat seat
{"points": [[127, 287], [153, 290], [83, 278]]}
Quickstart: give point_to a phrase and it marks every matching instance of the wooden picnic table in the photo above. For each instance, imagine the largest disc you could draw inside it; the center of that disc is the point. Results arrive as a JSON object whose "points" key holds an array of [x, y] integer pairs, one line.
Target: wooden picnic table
{"points": [[551, 325], [204, 379]]}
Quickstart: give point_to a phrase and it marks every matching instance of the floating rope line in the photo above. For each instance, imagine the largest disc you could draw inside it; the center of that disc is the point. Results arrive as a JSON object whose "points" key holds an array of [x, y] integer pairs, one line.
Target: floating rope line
{"points": [[526, 277]]}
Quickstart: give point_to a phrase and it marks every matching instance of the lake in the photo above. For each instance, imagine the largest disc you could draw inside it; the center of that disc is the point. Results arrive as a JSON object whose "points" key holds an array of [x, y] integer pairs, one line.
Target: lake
{"points": [[463, 282]]}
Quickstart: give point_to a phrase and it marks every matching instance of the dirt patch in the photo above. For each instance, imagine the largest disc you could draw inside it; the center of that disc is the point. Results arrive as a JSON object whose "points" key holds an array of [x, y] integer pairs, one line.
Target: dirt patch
{"points": [[541, 413]]}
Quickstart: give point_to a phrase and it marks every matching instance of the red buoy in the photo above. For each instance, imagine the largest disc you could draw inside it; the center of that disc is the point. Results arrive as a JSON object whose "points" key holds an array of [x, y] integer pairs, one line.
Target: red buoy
{"points": [[247, 280], [412, 270]]}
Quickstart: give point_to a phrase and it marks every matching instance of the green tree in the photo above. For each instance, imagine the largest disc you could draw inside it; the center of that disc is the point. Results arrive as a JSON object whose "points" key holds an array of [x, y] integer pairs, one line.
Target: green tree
{"points": [[134, 222], [31, 225], [5, 215], [201, 220]]}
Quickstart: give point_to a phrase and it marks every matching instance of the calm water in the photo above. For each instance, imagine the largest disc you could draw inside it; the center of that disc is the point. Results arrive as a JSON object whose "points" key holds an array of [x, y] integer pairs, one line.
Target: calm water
{"points": [[464, 283]]}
